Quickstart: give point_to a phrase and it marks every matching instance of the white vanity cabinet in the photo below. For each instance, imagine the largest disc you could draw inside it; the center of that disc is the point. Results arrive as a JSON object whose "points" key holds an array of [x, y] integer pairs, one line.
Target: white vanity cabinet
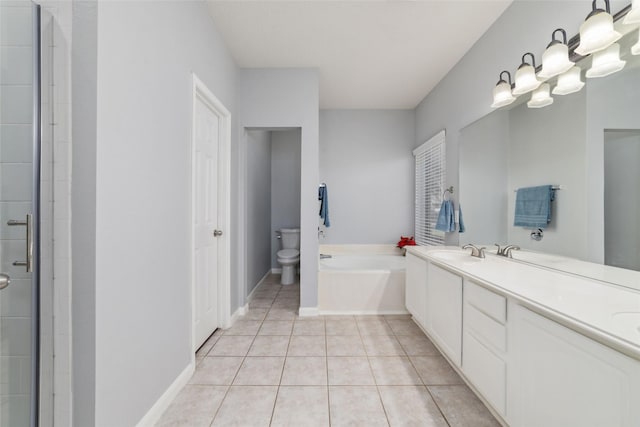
{"points": [[562, 378], [444, 311], [484, 344], [416, 288]]}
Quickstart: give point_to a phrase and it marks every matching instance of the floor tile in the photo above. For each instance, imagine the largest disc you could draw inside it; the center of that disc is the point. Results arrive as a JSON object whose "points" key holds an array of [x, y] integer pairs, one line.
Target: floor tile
{"points": [[404, 327], [339, 345], [290, 303], [435, 370], [256, 314], [342, 327], [260, 303], [349, 371], [416, 345], [374, 327], [216, 370], [194, 406], [208, 345], [244, 327], [308, 327], [267, 345], [247, 406], [410, 406], [260, 371], [356, 406], [301, 406], [231, 346], [305, 371], [281, 314], [461, 407], [307, 345], [382, 345], [276, 327], [394, 371]]}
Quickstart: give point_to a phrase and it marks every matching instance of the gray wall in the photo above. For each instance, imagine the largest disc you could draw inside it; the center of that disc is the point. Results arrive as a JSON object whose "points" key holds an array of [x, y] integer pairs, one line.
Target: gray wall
{"points": [[289, 98], [285, 185], [484, 148], [258, 206], [367, 163], [132, 180]]}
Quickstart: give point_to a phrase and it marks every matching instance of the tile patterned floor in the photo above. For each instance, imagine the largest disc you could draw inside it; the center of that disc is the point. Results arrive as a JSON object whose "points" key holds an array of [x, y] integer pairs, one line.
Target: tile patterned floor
{"points": [[273, 368]]}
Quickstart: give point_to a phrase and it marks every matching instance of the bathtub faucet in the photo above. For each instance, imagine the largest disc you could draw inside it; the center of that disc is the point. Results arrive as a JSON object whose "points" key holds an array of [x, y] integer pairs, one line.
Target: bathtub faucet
{"points": [[324, 256]]}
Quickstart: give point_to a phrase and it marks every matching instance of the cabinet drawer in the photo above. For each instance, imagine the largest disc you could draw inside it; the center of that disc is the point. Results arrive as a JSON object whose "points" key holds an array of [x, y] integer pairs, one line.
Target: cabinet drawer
{"points": [[485, 328], [486, 371], [491, 304]]}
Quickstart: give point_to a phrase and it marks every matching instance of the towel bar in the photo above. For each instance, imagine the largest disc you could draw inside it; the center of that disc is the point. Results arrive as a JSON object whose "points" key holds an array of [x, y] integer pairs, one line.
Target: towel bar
{"points": [[553, 187]]}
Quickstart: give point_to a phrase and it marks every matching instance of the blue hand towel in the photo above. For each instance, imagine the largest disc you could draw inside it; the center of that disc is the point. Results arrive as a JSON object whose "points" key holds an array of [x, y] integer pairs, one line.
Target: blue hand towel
{"points": [[461, 227], [446, 218], [533, 206], [323, 196]]}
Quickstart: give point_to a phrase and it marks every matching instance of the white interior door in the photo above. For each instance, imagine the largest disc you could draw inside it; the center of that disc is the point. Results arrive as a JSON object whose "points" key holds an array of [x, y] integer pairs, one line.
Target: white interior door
{"points": [[205, 220]]}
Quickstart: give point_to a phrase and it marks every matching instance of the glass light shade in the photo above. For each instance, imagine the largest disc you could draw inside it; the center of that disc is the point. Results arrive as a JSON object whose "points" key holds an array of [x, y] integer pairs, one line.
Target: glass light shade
{"points": [[526, 80], [569, 82], [635, 49], [555, 60], [540, 97], [502, 95], [606, 62], [597, 33], [633, 17]]}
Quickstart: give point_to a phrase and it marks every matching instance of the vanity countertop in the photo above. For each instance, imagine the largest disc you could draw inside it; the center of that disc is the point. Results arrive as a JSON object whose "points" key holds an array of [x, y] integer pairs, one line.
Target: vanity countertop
{"points": [[602, 311]]}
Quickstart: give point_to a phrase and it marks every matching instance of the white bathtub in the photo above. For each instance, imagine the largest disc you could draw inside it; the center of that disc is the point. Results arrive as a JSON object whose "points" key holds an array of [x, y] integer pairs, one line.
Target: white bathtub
{"points": [[361, 283]]}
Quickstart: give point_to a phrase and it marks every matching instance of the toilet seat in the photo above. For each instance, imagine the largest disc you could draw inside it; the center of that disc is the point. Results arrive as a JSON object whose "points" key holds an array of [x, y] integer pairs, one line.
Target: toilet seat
{"points": [[288, 253]]}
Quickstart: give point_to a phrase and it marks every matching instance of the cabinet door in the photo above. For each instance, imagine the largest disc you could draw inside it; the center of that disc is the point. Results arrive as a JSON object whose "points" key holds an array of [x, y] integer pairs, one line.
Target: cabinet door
{"points": [[563, 378], [416, 288], [444, 308]]}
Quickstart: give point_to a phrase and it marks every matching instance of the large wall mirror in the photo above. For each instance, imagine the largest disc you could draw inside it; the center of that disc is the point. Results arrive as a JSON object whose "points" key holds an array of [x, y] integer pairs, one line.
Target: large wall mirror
{"points": [[588, 143]]}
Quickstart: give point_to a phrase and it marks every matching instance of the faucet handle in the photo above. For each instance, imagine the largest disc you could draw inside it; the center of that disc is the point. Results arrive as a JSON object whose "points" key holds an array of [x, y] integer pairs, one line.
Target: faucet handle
{"points": [[508, 249], [481, 252], [500, 249]]}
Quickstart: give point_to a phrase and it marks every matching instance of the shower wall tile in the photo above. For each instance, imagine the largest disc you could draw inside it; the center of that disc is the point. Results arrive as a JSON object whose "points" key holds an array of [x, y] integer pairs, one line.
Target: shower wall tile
{"points": [[13, 210], [18, 415], [15, 181], [13, 250], [20, 71], [16, 143], [15, 333], [16, 104], [16, 299], [15, 25]]}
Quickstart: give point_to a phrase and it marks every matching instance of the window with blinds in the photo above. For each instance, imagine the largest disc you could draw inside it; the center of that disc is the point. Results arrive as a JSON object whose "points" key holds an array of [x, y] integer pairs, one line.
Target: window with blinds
{"points": [[430, 183]]}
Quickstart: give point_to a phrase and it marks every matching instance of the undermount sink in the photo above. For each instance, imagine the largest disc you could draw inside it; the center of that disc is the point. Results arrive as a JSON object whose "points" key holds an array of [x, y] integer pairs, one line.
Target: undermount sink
{"points": [[627, 321]]}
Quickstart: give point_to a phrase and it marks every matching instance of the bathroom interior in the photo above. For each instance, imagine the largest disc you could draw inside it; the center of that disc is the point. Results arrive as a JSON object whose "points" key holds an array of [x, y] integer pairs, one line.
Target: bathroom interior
{"points": [[91, 151]]}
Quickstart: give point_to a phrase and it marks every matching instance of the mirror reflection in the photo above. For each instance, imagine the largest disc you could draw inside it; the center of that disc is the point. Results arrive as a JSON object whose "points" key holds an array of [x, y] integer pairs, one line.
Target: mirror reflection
{"points": [[588, 143]]}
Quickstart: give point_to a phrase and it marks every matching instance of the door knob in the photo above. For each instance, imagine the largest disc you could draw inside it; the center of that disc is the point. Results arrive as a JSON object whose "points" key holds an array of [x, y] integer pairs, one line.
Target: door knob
{"points": [[217, 233], [5, 280]]}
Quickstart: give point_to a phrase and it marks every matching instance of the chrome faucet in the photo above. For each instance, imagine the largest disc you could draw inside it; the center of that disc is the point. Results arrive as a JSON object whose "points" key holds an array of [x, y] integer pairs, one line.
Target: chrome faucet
{"points": [[475, 251]]}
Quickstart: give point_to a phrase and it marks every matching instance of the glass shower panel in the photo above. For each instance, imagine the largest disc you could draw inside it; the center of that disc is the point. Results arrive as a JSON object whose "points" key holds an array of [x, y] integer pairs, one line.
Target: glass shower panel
{"points": [[18, 213]]}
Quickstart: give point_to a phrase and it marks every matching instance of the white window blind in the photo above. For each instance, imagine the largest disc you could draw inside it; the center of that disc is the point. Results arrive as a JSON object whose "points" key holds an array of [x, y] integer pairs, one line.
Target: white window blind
{"points": [[430, 183]]}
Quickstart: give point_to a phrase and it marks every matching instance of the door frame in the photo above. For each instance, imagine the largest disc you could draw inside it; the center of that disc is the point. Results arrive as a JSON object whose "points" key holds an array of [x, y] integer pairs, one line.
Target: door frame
{"points": [[202, 92]]}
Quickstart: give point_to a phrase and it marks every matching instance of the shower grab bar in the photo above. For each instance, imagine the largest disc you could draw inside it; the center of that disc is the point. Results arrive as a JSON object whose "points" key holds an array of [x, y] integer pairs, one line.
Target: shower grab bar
{"points": [[28, 222]]}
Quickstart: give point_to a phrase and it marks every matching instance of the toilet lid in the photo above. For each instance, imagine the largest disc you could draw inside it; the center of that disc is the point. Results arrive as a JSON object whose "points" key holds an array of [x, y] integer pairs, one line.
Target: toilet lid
{"points": [[288, 253]]}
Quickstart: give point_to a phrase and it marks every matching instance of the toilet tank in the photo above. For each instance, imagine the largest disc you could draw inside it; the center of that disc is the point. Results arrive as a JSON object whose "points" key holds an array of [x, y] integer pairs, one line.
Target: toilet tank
{"points": [[290, 238]]}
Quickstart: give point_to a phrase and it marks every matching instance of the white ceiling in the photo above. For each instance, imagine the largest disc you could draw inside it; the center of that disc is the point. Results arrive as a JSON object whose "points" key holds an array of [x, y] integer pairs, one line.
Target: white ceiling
{"points": [[384, 54]]}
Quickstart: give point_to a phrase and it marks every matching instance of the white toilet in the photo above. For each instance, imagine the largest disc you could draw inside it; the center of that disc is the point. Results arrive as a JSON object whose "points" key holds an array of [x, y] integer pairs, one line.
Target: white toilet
{"points": [[289, 254]]}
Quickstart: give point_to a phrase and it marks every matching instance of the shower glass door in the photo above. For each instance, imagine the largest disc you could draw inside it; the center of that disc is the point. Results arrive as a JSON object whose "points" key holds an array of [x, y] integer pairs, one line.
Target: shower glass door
{"points": [[19, 182]]}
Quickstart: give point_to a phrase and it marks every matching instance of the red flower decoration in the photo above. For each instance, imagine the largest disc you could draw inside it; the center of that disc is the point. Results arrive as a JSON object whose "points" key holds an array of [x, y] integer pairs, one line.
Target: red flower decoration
{"points": [[406, 241]]}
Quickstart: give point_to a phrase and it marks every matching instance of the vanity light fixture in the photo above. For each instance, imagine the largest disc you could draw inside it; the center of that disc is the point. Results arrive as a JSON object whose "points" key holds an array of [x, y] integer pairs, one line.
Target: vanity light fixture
{"points": [[526, 80], [540, 97], [569, 82], [606, 62], [555, 59], [596, 32], [633, 17], [502, 92]]}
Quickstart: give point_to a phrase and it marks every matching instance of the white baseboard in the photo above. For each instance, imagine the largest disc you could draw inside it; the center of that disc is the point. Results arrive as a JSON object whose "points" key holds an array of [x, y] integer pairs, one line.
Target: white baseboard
{"points": [[241, 311], [276, 270], [361, 312], [161, 405], [260, 282], [308, 311]]}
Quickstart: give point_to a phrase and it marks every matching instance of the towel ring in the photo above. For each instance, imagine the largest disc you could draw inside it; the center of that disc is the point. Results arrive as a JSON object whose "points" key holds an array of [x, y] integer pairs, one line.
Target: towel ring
{"points": [[447, 190]]}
